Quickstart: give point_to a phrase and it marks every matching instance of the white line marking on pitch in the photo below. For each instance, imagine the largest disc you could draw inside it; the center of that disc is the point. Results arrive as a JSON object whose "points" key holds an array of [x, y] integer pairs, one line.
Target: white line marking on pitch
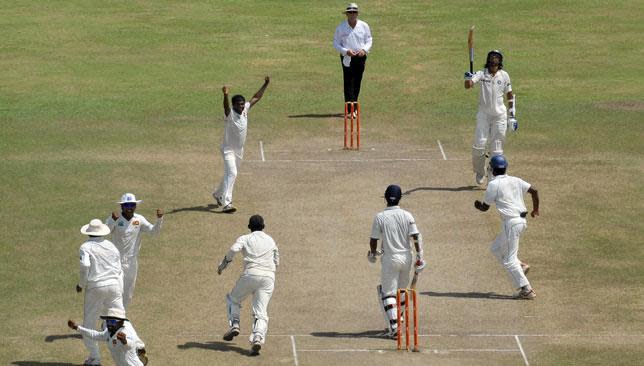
{"points": [[525, 359], [447, 350], [261, 150], [294, 350], [345, 160], [442, 151]]}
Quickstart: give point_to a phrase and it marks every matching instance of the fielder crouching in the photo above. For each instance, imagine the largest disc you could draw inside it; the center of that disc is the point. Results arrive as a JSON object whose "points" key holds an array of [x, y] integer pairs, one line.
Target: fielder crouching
{"points": [[261, 258], [125, 345], [395, 227], [507, 193]]}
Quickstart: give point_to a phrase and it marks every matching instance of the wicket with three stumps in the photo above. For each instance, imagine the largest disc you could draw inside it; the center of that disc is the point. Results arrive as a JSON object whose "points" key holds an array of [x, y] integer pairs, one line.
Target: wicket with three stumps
{"points": [[352, 114], [409, 301]]}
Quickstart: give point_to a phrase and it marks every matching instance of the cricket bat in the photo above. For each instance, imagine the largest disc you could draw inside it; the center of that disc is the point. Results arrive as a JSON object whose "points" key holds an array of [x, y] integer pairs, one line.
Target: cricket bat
{"points": [[470, 46]]}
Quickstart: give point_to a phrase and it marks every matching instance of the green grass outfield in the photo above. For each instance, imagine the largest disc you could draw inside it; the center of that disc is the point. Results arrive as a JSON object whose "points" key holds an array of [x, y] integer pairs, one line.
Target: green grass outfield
{"points": [[102, 97]]}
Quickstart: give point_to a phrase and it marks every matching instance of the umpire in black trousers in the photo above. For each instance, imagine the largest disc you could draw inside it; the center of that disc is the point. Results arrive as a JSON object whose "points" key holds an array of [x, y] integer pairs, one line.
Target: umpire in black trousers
{"points": [[352, 39]]}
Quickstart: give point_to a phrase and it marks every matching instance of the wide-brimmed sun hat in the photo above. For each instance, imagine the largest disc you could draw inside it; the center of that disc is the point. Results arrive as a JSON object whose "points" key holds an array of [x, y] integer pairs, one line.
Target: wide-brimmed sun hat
{"points": [[351, 7], [129, 198], [95, 228], [115, 313]]}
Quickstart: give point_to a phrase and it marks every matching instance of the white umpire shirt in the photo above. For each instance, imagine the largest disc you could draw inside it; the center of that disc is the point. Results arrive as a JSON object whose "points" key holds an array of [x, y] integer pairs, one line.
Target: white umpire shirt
{"points": [[394, 226], [507, 192], [123, 354], [493, 89], [127, 234], [100, 264], [261, 256], [356, 39], [235, 128]]}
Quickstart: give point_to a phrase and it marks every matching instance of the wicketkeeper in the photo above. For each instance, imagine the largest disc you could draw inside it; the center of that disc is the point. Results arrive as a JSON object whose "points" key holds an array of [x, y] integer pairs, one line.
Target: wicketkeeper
{"points": [[395, 227]]}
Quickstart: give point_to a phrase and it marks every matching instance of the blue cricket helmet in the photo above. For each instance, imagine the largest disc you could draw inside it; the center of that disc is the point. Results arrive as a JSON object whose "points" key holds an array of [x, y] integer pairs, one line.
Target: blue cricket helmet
{"points": [[498, 162], [393, 193]]}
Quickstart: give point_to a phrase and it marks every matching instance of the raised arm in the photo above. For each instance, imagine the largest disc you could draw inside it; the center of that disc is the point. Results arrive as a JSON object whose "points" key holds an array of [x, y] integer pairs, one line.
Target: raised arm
{"points": [[226, 90], [535, 201], [260, 92]]}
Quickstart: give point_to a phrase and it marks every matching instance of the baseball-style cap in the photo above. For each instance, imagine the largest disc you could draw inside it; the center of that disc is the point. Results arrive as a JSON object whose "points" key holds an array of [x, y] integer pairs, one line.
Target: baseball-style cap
{"points": [[129, 198], [352, 7]]}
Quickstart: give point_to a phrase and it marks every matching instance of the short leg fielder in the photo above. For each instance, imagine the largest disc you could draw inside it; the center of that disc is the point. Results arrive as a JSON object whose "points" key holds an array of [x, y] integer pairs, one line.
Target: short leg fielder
{"points": [[225, 190], [506, 247]]}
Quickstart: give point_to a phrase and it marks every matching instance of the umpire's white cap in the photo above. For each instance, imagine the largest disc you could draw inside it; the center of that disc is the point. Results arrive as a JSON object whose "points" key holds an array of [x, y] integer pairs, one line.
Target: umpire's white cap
{"points": [[129, 198], [352, 7]]}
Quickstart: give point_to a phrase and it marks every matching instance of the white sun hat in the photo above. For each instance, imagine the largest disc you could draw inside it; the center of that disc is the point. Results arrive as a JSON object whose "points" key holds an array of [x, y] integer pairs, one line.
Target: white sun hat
{"points": [[95, 228], [114, 313], [129, 198], [351, 7]]}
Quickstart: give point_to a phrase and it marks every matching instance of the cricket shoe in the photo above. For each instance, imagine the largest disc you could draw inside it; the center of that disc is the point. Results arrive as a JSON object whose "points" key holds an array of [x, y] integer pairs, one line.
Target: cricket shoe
{"points": [[256, 345], [92, 361], [229, 208], [231, 333], [525, 295]]}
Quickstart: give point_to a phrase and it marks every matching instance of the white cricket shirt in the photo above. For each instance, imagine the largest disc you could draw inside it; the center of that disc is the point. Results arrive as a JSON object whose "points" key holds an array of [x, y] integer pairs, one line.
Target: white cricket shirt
{"points": [[394, 226], [100, 264], [126, 235], [356, 39], [493, 89], [507, 193], [123, 354], [235, 127], [261, 255]]}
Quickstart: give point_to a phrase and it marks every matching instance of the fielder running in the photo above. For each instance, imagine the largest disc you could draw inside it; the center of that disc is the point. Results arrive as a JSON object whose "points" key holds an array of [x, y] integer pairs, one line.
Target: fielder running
{"points": [[261, 257], [126, 235], [102, 279], [125, 345], [507, 193], [492, 117], [232, 148], [394, 226]]}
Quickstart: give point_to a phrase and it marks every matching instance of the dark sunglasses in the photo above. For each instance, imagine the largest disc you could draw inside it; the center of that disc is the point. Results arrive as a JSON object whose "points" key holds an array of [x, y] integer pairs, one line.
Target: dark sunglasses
{"points": [[112, 322], [352, 12], [128, 205]]}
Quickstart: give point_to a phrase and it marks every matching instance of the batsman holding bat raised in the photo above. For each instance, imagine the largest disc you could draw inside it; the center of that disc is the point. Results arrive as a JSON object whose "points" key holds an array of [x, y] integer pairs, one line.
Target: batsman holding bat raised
{"points": [[395, 227], [493, 117]]}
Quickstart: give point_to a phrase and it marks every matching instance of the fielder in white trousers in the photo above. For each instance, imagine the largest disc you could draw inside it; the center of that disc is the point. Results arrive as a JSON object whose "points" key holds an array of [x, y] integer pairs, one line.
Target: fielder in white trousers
{"points": [[261, 258], [102, 279], [507, 192]]}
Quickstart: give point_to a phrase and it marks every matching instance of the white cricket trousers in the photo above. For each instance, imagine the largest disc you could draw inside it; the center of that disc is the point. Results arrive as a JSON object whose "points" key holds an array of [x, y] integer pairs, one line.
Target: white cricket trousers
{"points": [[394, 273], [130, 270], [489, 134], [97, 301], [225, 190], [261, 287], [506, 249]]}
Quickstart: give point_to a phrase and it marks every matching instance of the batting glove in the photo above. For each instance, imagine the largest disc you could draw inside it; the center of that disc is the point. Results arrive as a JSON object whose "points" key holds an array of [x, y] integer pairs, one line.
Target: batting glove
{"points": [[468, 76], [513, 123]]}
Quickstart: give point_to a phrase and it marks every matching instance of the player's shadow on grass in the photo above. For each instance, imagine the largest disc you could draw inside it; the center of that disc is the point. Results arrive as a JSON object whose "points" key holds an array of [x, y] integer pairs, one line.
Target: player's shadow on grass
{"points": [[216, 346], [38, 363], [211, 208], [317, 115], [448, 189], [366, 334], [55, 337], [470, 295]]}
